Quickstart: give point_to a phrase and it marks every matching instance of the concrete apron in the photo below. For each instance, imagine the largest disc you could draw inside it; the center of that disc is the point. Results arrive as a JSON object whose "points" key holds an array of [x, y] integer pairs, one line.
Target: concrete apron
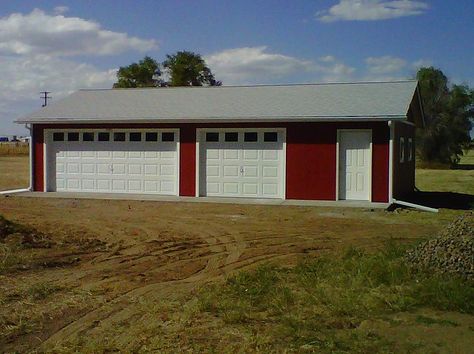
{"points": [[218, 200]]}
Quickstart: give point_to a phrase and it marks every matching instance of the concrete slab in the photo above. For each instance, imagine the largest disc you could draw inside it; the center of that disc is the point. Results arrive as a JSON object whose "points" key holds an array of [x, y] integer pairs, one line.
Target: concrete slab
{"points": [[220, 200]]}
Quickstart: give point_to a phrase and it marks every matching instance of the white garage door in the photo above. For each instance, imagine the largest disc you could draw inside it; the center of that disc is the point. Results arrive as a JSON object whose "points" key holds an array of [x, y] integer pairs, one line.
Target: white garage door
{"points": [[242, 163], [118, 161]]}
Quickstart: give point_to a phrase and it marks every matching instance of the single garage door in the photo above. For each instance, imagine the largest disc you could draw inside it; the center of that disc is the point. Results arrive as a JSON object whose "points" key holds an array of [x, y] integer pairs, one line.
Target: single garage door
{"points": [[242, 163], [113, 161]]}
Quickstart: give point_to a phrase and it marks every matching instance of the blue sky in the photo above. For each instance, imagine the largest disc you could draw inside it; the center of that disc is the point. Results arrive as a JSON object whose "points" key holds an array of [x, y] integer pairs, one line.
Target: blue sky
{"points": [[61, 46]]}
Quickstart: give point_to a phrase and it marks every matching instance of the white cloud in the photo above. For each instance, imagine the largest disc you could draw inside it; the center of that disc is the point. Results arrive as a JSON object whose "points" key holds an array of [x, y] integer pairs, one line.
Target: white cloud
{"points": [[371, 10], [41, 33], [385, 65], [23, 78], [60, 10], [251, 64], [256, 65], [422, 63]]}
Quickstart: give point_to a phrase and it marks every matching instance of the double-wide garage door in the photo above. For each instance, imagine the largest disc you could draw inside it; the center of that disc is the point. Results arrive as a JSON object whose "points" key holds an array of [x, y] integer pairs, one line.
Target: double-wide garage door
{"points": [[242, 163], [113, 161]]}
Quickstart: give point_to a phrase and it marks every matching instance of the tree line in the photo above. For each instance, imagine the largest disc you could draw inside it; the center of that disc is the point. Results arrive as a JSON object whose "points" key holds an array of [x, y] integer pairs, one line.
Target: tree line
{"points": [[183, 68], [448, 108]]}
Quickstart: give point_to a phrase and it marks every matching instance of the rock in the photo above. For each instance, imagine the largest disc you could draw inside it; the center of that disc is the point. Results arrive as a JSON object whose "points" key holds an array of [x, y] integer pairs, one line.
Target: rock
{"points": [[452, 251]]}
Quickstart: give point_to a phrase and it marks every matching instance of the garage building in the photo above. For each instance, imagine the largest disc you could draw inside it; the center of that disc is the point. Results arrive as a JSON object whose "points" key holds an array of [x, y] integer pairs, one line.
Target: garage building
{"points": [[344, 141]]}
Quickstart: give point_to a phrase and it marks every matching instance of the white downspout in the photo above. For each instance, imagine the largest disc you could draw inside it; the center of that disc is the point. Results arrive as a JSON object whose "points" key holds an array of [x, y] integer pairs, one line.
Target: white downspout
{"points": [[31, 142], [390, 162]]}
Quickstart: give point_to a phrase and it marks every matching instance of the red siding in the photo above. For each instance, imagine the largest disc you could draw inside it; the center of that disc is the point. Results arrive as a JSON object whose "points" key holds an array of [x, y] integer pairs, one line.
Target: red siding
{"points": [[310, 162], [187, 162], [38, 151]]}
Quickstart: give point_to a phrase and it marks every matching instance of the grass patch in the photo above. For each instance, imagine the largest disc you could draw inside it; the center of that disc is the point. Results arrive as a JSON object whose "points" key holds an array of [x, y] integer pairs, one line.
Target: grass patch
{"points": [[14, 149], [429, 321], [321, 303]]}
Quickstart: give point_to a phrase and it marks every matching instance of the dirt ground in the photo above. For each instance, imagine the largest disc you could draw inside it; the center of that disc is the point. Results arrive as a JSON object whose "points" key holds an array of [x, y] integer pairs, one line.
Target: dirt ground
{"points": [[102, 262]]}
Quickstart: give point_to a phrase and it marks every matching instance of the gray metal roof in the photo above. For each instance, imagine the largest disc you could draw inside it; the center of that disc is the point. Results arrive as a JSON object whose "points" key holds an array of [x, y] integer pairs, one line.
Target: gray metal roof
{"points": [[307, 102]]}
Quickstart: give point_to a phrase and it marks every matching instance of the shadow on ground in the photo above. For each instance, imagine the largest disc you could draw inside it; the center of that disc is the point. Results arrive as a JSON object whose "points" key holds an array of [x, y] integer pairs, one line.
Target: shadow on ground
{"points": [[463, 167], [446, 200]]}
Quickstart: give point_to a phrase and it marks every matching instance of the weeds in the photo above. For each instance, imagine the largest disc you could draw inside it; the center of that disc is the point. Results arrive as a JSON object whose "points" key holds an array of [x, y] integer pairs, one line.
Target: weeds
{"points": [[321, 302]]}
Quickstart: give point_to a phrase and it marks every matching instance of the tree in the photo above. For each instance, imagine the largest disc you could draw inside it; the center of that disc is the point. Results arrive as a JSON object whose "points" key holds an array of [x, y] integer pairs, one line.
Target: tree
{"points": [[145, 73], [449, 110], [189, 69]]}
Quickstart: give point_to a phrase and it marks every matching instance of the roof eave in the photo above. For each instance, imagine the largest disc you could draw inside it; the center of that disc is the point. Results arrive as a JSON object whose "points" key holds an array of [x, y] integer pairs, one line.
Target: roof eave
{"points": [[214, 120]]}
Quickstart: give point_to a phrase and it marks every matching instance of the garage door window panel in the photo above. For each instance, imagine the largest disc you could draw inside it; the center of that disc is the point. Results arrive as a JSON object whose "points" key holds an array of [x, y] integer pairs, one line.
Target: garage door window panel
{"points": [[167, 137], [151, 137], [58, 136], [231, 137], [119, 136], [88, 136], [270, 136], [212, 137], [135, 136], [73, 136], [103, 136]]}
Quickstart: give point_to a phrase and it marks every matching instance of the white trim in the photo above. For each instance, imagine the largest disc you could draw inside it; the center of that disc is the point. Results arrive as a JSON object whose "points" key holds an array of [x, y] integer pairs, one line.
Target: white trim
{"points": [[271, 119], [45, 159], [31, 155], [401, 149], [200, 132], [391, 126], [337, 163], [197, 161], [283, 164], [370, 159], [410, 149]]}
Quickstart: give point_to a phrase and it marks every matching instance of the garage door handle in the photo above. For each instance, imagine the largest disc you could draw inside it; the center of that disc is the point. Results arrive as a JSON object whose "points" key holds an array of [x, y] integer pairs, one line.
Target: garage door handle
{"points": [[241, 170]]}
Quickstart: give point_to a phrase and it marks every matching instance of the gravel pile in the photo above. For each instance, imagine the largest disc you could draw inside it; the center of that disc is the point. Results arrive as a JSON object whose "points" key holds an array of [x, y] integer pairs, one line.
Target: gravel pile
{"points": [[452, 251]]}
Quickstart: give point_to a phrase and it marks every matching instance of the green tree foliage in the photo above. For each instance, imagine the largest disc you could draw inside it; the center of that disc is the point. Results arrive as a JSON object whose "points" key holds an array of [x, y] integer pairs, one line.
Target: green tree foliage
{"points": [[145, 73], [189, 69], [449, 110]]}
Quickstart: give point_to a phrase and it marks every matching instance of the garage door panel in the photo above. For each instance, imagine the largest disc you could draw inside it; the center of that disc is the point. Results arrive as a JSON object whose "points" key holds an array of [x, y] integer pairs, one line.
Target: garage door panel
{"points": [[213, 171], [103, 184], [72, 167], [250, 189], [231, 188], [88, 184], [135, 186], [231, 171], [104, 154], [88, 168], [120, 167]]}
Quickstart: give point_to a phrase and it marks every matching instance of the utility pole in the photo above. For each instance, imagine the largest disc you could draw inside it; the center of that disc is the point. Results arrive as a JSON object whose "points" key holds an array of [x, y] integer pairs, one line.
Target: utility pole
{"points": [[45, 97]]}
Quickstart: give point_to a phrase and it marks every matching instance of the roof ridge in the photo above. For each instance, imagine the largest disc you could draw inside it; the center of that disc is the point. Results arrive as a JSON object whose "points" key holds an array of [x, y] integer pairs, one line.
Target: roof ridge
{"points": [[252, 86]]}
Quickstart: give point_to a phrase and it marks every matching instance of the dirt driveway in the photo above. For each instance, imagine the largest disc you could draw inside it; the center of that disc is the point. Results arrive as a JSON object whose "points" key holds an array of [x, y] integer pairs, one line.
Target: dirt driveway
{"points": [[107, 257]]}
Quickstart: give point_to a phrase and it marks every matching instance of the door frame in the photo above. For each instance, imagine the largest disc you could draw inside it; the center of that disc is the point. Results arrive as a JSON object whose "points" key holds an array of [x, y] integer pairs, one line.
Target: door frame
{"points": [[339, 131], [48, 136], [199, 145]]}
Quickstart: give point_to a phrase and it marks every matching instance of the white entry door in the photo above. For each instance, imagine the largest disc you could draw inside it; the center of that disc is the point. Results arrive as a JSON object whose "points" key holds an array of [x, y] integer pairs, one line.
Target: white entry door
{"points": [[242, 163], [355, 164], [119, 161]]}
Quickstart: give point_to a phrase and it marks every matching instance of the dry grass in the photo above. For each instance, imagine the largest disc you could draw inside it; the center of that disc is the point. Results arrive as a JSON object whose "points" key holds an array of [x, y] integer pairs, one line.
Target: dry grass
{"points": [[14, 172], [14, 149]]}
